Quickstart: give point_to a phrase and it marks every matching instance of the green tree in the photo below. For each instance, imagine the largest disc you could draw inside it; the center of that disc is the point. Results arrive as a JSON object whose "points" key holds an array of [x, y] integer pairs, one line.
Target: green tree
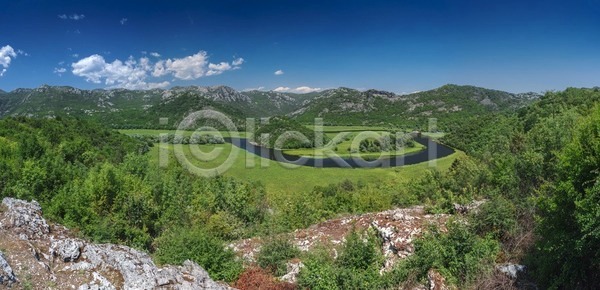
{"points": [[568, 250]]}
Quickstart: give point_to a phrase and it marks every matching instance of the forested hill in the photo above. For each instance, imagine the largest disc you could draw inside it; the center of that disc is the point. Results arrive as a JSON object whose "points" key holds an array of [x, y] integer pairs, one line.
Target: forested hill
{"points": [[450, 102], [120, 108], [546, 161]]}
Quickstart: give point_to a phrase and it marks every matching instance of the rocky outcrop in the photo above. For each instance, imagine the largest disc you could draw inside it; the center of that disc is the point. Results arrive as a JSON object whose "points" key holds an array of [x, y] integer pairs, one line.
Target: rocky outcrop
{"points": [[68, 249], [41, 255], [293, 269], [436, 280], [7, 277], [511, 270], [24, 219], [397, 228], [473, 207]]}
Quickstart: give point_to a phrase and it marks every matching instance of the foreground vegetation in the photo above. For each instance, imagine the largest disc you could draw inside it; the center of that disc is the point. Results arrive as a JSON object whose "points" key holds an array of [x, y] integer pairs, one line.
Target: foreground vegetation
{"points": [[538, 170]]}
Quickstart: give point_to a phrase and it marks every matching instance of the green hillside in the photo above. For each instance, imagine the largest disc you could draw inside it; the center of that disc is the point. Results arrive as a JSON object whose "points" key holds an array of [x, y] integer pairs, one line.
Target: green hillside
{"points": [[120, 108], [345, 106]]}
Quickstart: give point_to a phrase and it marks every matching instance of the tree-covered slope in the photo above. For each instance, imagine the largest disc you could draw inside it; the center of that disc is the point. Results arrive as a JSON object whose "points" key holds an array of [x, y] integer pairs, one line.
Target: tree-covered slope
{"points": [[121, 108], [282, 133], [345, 106], [270, 103]]}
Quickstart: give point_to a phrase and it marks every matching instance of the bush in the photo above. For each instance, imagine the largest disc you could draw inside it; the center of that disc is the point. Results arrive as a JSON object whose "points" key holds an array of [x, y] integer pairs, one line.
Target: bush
{"points": [[195, 244], [357, 267], [496, 217], [459, 255], [275, 254]]}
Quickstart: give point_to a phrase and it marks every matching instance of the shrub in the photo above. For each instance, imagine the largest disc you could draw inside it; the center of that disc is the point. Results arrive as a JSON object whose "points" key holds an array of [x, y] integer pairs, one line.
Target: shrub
{"points": [[357, 267], [459, 255], [208, 251], [275, 254], [496, 217]]}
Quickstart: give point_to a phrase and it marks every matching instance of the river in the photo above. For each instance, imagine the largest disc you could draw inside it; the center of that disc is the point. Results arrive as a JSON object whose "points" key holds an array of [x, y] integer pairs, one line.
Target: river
{"points": [[434, 150]]}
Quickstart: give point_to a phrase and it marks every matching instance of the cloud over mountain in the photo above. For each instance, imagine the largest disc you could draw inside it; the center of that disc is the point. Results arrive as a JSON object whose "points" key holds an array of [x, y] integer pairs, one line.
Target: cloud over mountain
{"points": [[134, 74], [299, 90]]}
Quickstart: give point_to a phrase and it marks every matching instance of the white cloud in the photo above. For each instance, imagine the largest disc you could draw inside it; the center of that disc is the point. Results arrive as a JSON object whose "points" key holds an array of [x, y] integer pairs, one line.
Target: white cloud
{"points": [[76, 17], [75, 55], [193, 67], [59, 70], [305, 90], [72, 17], [7, 53], [123, 21], [279, 72], [261, 88], [282, 89], [298, 90], [217, 69], [238, 61], [133, 74], [187, 68], [130, 74]]}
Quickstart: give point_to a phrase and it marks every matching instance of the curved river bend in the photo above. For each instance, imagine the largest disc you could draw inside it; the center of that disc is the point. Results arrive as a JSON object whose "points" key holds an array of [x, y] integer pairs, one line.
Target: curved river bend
{"points": [[434, 151]]}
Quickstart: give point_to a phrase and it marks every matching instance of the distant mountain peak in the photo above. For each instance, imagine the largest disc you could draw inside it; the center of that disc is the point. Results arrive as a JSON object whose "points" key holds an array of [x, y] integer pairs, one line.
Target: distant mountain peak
{"points": [[341, 105]]}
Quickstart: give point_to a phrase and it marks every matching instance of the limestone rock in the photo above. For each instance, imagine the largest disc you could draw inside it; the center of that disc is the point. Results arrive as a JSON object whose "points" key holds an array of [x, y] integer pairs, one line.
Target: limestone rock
{"points": [[34, 245], [24, 219], [398, 228], [511, 270], [293, 269], [436, 280], [7, 277], [99, 283], [473, 207], [68, 249]]}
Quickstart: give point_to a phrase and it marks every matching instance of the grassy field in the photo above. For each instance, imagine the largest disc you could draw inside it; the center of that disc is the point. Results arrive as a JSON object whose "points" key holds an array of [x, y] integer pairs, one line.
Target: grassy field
{"points": [[343, 146], [279, 178]]}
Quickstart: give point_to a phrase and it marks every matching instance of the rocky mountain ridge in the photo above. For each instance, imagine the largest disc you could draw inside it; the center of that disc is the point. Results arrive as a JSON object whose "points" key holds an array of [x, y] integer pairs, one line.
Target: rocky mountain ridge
{"points": [[347, 106], [342, 106]]}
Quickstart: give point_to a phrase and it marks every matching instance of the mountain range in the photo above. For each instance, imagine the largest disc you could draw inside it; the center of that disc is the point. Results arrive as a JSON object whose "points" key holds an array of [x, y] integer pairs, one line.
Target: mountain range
{"points": [[121, 108]]}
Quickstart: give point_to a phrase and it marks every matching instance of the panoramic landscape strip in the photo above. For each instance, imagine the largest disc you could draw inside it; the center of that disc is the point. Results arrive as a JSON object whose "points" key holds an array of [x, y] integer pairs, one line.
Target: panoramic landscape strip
{"points": [[300, 144]]}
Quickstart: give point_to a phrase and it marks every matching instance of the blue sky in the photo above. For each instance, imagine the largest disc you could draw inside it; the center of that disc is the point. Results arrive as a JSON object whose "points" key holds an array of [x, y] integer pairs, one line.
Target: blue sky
{"points": [[399, 46]]}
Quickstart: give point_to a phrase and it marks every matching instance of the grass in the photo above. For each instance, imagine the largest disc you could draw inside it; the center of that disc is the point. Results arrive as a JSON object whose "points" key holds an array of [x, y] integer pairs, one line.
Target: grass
{"points": [[343, 146], [279, 178], [436, 135]]}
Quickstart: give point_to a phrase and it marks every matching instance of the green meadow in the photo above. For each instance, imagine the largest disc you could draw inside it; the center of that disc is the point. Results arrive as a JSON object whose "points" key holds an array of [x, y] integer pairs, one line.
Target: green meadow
{"points": [[281, 178], [343, 144]]}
